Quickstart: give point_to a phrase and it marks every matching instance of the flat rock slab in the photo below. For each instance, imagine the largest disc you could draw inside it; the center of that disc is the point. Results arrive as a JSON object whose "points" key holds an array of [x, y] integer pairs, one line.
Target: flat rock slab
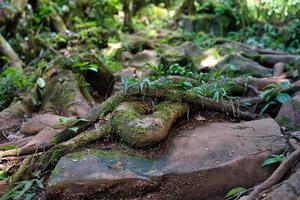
{"points": [[202, 163]]}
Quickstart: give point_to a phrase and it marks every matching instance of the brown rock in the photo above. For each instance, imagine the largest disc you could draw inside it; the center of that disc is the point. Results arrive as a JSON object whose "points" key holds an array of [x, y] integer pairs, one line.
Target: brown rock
{"points": [[38, 123], [289, 114], [202, 163]]}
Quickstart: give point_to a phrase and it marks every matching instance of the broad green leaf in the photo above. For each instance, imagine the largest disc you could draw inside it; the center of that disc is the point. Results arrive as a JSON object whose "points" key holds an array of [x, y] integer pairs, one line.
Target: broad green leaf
{"points": [[93, 67], [284, 84], [187, 84], [41, 82], [283, 98], [74, 129], [235, 191], [64, 120], [273, 159]]}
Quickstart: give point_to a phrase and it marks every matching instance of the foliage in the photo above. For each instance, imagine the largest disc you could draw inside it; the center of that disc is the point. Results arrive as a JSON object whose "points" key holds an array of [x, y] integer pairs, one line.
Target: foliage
{"points": [[234, 192], [3, 175], [270, 36], [11, 82], [23, 190], [273, 159], [273, 95]]}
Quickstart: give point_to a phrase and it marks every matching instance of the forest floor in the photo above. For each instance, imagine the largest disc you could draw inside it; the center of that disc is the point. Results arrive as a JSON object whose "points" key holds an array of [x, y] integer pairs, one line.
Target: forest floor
{"points": [[168, 120]]}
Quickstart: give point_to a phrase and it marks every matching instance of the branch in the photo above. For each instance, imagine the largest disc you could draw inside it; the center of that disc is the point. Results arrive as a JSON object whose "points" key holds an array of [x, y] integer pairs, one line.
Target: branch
{"points": [[8, 51]]}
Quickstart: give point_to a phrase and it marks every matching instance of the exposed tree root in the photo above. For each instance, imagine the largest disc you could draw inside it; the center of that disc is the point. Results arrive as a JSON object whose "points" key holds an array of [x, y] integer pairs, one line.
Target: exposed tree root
{"points": [[138, 129], [277, 175], [272, 59], [163, 92]]}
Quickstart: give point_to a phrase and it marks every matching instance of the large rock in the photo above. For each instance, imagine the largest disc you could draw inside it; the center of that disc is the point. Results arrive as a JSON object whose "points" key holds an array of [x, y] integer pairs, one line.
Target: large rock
{"points": [[184, 54], [289, 114], [243, 65], [38, 123], [202, 163]]}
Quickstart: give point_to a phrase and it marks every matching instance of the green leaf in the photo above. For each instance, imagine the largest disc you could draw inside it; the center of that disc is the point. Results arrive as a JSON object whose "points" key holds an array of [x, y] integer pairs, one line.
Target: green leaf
{"points": [[235, 191], [83, 120], [273, 159], [93, 67], [266, 93], [41, 82], [64, 120], [284, 84], [8, 147], [187, 84], [3, 175], [283, 98], [74, 129]]}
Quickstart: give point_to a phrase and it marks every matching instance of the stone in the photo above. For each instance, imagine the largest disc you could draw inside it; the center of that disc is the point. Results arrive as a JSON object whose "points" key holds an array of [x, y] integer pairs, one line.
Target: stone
{"points": [[38, 122], [287, 190], [201, 163], [211, 57], [140, 59], [289, 113], [183, 54], [243, 65]]}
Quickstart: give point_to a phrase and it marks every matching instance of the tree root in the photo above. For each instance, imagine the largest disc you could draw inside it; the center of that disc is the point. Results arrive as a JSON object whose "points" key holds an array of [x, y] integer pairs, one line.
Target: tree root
{"points": [[49, 159], [272, 59], [164, 92], [276, 176], [140, 130], [21, 170]]}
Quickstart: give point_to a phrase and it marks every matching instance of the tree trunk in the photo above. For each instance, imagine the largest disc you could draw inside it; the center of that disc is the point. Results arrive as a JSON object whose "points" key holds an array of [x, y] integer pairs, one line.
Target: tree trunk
{"points": [[128, 9]]}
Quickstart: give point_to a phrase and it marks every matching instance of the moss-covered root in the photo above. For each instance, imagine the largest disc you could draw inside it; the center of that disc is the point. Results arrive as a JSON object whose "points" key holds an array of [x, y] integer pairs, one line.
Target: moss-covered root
{"points": [[49, 159], [163, 92], [131, 123], [19, 174]]}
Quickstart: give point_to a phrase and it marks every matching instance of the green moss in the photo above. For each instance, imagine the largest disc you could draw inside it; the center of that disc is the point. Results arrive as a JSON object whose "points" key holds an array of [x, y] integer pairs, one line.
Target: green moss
{"points": [[284, 121], [294, 104]]}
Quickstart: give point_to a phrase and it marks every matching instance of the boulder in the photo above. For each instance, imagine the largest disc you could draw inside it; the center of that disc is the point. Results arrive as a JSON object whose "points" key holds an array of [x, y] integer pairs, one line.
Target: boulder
{"points": [[38, 123], [289, 113], [204, 162], [243, 65], [138, 60], [184, 54]]}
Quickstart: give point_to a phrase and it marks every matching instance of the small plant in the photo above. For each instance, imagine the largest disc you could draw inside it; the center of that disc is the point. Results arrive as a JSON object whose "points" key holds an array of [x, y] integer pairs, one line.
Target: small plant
{"points": [[3, 175], [23, 190], [273, 95], [235, 193], [273, 159], [84, 66]]}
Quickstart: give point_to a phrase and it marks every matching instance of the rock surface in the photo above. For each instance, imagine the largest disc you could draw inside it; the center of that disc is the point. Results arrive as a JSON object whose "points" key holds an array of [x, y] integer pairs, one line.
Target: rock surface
{"points": [[244, 65], [202, 163], [38, 123], [289, 114]]}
